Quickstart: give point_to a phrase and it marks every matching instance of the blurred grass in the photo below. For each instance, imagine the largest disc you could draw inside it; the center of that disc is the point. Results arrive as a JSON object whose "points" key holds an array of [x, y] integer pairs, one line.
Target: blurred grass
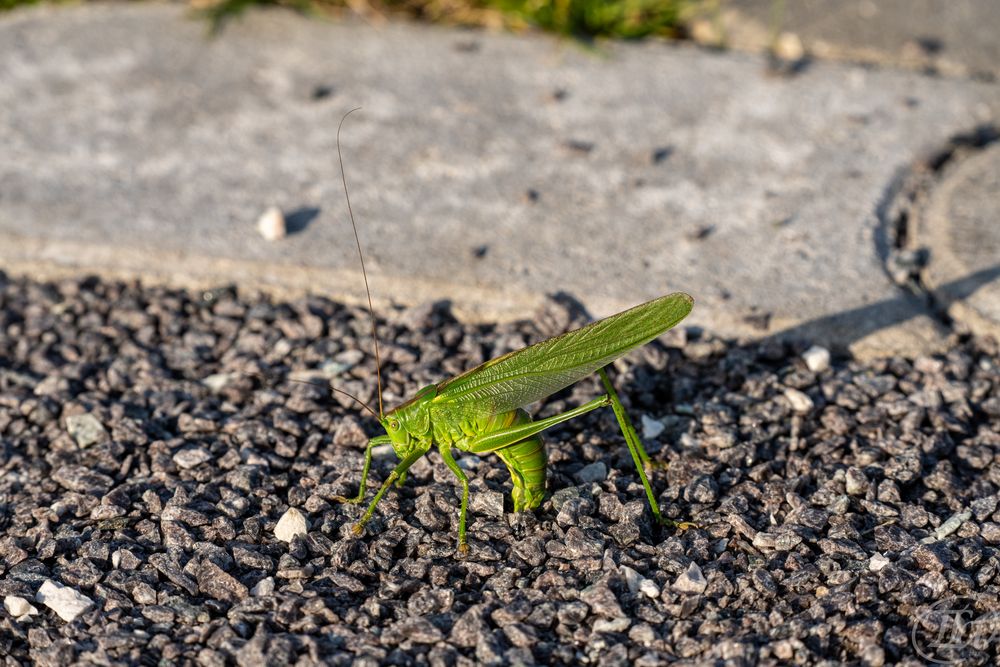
{"points": [[582, 19], [11, 4]]}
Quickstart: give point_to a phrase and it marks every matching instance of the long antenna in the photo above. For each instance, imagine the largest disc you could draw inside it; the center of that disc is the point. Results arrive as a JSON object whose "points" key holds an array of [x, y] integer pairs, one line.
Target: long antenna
{"points": [[326, 385], [357, 240], [339, 391]]}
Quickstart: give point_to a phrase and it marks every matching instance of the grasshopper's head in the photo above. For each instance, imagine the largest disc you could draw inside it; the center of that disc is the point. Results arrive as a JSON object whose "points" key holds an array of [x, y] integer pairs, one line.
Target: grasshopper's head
{"points": [[409, 425], [402, 440]]}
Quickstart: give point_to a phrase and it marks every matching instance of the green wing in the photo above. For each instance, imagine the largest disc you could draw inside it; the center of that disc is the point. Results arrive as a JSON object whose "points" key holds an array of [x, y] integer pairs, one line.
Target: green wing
{"points": [[525, 376]]}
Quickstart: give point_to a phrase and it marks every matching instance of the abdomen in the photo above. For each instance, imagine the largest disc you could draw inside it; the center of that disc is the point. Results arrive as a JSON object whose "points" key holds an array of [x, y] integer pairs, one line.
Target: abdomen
{"points": [[526, 462]]}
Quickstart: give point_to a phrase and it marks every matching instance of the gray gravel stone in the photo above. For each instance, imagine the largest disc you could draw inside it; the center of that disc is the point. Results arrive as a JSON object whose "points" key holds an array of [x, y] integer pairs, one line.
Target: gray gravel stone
{"points": [[81, 479], [191, 457], [855, 482], [416, 629], [592, 472], [602, 600], [215, 582]]}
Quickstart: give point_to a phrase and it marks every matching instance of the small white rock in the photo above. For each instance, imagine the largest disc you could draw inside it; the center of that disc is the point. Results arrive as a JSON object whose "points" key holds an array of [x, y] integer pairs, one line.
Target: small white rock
{"points": [[953, 523], [649, 588], [691, 580], [217, 381], [856, 482], [86, 429], [637, 583], [651, 428], [18, 607], [271, 225], [291, 523], [800, 401], [67, 602], [789, 47], [631, 577], [817, 358], [191, 457], [611, 625], [592, 472], [263, 587], [877, 562]]}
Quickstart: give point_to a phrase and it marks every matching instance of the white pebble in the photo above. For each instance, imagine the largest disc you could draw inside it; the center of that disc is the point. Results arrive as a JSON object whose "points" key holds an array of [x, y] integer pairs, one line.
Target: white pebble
{"points": [[817, 358], [691, 580], [18, 607], [877, 562], [649, 588], [611, 625], [67, 602], [953, 523], [86, 429], [632, 578], [469, 462], [263, 587], [651, 427], [271, 225], [789, 47], [217, 381], [637, 583], [191, 457], [291, 523], [800, 400]]}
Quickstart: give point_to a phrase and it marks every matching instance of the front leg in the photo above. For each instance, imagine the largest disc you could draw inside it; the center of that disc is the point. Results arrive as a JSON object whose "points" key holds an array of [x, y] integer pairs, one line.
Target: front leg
{"points": [[377, 440], [404, 465], [449, 460]]}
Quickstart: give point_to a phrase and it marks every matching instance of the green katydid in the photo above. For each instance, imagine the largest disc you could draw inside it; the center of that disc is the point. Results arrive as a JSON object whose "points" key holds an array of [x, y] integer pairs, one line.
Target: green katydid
{"points": [[481, 411]]}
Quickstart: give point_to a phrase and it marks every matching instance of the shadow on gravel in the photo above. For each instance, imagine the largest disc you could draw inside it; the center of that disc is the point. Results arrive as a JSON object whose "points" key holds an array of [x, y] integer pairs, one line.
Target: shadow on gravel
{"points": [[840, 330]]}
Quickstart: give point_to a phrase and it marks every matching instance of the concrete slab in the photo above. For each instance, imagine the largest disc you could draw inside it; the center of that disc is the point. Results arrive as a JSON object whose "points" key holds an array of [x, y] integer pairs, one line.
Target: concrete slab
{"points": [[960, 229], [950, 37], [487, 169]]}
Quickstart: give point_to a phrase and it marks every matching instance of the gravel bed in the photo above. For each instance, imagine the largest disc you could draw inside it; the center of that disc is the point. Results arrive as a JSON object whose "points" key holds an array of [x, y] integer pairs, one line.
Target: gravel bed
{"points": [[152, 439]]}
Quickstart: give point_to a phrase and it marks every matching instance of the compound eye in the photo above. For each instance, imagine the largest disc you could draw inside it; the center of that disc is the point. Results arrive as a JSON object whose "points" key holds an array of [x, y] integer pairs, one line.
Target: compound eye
{"points": [[394, 425]]}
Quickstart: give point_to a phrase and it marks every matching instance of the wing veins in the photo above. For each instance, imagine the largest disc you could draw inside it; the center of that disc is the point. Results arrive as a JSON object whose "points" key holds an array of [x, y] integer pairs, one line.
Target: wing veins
{"points": [[527, 375]]}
